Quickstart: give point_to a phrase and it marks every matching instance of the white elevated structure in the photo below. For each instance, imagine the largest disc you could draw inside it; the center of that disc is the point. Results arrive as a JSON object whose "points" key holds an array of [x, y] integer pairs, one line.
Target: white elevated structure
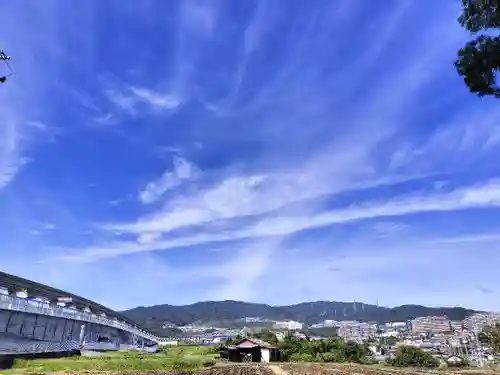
{"points": [[35, 307], [35, 318]]}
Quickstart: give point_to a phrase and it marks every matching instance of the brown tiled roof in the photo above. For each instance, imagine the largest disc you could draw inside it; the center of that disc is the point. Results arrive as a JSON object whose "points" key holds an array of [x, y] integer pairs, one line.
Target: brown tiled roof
{"points": [[257, 342]]}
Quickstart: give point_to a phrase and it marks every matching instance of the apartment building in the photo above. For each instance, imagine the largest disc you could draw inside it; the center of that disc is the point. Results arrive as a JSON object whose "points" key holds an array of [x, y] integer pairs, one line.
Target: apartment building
{"points": [[456, 326], [357, 331], [476, 322], [325, 323], [431, 324], [290, 325]]}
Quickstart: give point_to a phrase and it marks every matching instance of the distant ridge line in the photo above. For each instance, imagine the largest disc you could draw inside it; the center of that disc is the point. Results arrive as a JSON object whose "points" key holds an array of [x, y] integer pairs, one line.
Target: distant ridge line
{"points": [[153, 317]]}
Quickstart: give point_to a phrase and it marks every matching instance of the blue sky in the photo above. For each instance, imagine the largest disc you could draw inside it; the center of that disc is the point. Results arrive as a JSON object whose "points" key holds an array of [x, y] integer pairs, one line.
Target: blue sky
{"points": [[271, 151]]}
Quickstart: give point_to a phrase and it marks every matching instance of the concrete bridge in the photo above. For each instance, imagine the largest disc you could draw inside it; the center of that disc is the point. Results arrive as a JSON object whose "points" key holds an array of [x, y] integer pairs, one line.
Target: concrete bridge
{"points": [[36, 318]]}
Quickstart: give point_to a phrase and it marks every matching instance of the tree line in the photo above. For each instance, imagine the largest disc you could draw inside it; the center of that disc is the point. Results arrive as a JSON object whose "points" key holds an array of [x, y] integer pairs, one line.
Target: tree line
{"points": [[491, 336], [337, 350]]}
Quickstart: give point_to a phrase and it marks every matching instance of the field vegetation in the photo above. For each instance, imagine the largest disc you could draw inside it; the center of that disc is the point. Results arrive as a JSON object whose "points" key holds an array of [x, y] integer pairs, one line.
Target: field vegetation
{"points": [[180, 358]]}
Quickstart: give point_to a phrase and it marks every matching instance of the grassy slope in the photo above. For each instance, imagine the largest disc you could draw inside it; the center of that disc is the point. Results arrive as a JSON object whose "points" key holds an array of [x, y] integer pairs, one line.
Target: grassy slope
{"points": [[174, 358]]}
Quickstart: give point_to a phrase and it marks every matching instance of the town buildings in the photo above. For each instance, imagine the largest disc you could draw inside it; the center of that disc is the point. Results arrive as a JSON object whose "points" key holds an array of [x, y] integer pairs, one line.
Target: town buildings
{"points": [[476, 322], [289, 325], [431, 324]]}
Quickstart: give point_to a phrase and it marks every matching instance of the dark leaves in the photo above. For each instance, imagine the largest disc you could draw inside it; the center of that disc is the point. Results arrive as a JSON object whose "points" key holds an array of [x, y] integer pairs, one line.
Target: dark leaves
{"points": [[479, 60], [480, 15], [479, 63]]}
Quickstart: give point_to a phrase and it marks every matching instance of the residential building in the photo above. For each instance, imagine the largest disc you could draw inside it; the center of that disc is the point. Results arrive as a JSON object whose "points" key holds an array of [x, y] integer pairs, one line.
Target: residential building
{"points": [[476, 322], [431, 324], [289, 325], [456, 326]]}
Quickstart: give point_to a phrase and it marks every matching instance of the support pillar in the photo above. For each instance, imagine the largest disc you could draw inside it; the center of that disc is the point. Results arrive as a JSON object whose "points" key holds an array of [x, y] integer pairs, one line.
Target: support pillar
{"points": [[34, 326], [8, 321], [70, 333], [82, 333], [64, 336], [47, 320]]}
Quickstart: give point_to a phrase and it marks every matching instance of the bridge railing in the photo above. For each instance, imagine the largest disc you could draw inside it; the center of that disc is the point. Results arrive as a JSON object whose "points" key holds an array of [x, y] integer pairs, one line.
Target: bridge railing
{"points": [[36, 307]]}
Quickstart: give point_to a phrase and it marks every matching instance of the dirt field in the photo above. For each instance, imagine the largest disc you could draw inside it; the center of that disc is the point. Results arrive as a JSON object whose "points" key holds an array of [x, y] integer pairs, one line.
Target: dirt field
{"points": [[345, 369], [275, 369]]}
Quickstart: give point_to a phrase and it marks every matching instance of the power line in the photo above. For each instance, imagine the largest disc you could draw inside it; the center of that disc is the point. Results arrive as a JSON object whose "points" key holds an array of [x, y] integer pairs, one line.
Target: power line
{"points": [[5, 58]]}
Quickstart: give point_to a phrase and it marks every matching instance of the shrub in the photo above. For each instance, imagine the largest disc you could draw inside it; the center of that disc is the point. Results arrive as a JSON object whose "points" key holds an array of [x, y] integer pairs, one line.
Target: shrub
{"points": [[332, 357], [368, 360], [302, 357], [462, 363], [409, 356], [208, 363]]}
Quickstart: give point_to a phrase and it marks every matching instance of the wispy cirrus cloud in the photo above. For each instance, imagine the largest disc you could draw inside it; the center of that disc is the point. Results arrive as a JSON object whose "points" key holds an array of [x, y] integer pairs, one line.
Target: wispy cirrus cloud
{"points": [[129, 98], [11, 160], [182, 171], [486, 195], [320, 152]]}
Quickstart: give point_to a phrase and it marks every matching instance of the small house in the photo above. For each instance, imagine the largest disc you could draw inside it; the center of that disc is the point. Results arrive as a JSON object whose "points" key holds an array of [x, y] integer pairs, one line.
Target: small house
{"points": [[252, 350]]}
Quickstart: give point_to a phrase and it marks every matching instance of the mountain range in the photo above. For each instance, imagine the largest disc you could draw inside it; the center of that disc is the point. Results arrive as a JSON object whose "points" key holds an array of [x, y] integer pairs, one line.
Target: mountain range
{"points": [[155, 317]]}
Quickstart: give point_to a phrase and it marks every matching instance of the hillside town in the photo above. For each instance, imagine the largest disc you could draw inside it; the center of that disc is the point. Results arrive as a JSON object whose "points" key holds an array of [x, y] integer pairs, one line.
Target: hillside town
{"points": [[437, 335]]}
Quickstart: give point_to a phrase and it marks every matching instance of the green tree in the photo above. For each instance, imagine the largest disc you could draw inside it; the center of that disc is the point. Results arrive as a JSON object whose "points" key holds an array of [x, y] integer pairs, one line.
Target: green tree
{"points": [[478, 61], [359, 353], [329, 350], [267, 336], [290, 346], [335, 356], [491, 337], [410, 356]]}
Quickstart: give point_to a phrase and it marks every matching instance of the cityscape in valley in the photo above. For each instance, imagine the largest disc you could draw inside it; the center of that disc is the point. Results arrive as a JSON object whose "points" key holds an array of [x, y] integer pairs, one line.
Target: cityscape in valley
{"points": [[40, 320], [437, 334]]}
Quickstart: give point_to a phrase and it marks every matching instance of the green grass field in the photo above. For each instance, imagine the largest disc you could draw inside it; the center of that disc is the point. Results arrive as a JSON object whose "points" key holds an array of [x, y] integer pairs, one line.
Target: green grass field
{"points": [[170, 359]]}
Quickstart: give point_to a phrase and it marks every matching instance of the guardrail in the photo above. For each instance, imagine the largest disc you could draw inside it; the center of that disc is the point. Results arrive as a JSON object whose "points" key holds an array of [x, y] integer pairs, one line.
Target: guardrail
{"points": [[41, 308]]}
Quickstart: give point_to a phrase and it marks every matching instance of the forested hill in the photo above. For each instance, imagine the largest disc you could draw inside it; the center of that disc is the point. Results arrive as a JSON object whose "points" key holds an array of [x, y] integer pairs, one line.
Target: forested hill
{"points": [[308, 312]]}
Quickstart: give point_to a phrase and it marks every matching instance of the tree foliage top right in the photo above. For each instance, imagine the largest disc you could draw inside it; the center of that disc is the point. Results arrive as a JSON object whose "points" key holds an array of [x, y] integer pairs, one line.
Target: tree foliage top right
{"points": [[478, 61]]}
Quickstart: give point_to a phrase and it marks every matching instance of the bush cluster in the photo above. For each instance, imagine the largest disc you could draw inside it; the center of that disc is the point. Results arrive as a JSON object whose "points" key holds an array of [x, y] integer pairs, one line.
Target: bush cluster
{"points": [[329, 350], [409, 356]]}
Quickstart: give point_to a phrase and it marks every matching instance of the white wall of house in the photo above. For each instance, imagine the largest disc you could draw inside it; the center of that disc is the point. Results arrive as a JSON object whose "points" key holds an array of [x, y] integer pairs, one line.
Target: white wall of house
{"points": [[265, 355]]}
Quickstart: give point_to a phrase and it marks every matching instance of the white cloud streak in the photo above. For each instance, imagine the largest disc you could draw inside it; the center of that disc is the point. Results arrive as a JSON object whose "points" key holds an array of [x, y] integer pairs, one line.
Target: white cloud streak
{"points": [[11, 160], [475, 238], [129, 98], [182, 171], [157, 100], [485, 195]]}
